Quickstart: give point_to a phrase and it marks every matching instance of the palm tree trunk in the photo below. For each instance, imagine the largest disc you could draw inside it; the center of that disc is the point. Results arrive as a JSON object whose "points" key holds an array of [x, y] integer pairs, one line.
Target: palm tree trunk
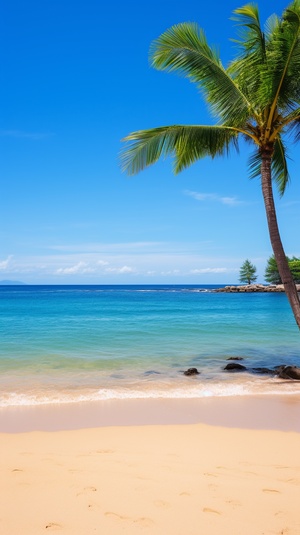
{"points": [[280, 256]]}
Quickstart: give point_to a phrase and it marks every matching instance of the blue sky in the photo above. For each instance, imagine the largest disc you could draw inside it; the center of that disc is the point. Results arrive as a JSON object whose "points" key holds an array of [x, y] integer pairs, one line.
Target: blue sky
{"points": [[75, 80]]}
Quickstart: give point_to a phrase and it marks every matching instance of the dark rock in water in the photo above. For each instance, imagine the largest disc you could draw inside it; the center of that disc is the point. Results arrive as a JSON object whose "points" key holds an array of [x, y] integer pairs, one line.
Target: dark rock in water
{"points": [[279, 368], [235, 358], [264, 371], [151, 372], [289, 372], [234, 367], [191, 371]]}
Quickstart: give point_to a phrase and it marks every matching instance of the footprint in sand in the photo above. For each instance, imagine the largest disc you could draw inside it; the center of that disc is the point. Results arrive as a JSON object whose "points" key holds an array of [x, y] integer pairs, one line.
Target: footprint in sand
{"points": [[53, 526], [208, 510], [271, 490], [141, 521], [86, 490]]}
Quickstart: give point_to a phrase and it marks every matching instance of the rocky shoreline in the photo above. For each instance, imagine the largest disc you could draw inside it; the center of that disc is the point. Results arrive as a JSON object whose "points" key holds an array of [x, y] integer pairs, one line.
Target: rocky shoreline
{"points": [[248, 288], [282, 371]]}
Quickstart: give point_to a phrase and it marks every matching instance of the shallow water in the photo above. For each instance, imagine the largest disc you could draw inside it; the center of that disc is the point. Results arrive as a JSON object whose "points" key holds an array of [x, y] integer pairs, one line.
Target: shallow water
{"points": [[74, 343]]}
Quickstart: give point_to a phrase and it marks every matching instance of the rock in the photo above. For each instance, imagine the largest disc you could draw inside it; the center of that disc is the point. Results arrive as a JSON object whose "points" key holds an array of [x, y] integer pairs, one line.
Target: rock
{"points": [[254, 288], [191, 371], [235, 367], [235, 358], [280, 367], [289, 372], [264, 371]]}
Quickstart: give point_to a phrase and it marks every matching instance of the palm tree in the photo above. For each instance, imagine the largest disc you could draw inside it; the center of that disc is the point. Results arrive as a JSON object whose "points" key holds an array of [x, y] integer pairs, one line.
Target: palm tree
{"points": [[257, 97]]}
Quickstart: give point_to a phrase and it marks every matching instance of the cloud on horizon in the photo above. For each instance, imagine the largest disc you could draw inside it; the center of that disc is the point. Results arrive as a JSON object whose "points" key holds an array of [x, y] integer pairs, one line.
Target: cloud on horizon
{"points": [[124, 269], [229, 201], [80, 268], [4, 264], [213, 270]]}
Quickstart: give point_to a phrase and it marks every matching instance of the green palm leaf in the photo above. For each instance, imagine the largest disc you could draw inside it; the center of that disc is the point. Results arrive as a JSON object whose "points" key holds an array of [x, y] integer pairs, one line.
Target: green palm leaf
{"points": [[185, 143], [280, 172], [184, 49], [282, 72]]}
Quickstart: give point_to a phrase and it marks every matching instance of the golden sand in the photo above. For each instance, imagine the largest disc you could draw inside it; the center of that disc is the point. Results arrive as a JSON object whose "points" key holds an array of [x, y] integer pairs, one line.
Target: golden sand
{"points": [[156, 479]]}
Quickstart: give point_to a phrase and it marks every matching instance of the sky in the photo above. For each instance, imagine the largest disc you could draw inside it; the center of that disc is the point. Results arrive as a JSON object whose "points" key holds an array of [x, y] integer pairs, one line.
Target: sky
{"points": [[76, 79]]}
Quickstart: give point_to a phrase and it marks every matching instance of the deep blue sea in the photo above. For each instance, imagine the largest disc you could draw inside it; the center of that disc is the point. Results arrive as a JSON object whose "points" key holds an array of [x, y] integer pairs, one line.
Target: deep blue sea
{"points": [[75, 343]]}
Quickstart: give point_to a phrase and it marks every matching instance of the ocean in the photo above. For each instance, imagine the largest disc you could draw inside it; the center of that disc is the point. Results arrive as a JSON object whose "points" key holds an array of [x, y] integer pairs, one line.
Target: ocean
{"points": [[68, 344]]}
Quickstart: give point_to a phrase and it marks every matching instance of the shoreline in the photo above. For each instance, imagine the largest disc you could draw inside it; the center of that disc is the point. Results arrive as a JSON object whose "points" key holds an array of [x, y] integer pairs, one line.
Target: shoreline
{"points": [[268, 412]]}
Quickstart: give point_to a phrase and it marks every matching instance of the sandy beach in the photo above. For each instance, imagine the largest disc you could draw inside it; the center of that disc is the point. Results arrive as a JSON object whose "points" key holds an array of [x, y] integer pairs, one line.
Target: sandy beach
{"points": [[156, 479]]}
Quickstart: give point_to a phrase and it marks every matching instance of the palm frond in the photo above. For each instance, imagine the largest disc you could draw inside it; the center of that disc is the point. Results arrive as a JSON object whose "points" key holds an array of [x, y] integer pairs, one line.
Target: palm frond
{"points": [[281, 85], [280, 173], [254, 164], [185, 143], [249, 29], [291, 117], [292, 125], [248, 67], [184, 49]]}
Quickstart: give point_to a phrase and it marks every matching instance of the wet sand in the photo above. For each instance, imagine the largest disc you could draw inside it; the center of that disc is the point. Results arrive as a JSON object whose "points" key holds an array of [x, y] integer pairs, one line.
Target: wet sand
{"points": [[252, 412]]}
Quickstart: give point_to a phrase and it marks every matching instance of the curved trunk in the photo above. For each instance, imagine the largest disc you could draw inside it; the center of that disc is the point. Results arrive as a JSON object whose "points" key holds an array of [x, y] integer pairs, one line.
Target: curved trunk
{"points": [[280, 256]]}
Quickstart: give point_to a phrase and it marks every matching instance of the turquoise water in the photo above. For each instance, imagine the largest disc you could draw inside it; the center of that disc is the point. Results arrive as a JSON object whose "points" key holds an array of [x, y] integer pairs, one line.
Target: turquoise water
{"points": [[75, 343]]}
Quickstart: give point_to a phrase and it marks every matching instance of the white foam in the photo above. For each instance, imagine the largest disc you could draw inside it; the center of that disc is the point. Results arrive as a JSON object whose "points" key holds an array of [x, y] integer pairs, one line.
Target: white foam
{"points": [[195, 392]]}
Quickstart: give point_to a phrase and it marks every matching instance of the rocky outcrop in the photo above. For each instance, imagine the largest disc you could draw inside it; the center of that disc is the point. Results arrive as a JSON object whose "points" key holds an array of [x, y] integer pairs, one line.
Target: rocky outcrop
{"points": [[289, 372], [191, 371], [283, 372], [248, 288], [235, 367]]}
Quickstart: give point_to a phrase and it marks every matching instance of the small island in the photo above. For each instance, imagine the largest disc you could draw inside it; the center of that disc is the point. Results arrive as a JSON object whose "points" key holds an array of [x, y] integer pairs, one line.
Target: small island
{"points": [[247, 288]]}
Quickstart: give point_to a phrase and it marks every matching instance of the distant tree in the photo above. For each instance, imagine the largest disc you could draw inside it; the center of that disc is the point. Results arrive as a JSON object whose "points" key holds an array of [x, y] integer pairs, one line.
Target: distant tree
{"points": [[272, 274], [294, 264], [248, 272]]}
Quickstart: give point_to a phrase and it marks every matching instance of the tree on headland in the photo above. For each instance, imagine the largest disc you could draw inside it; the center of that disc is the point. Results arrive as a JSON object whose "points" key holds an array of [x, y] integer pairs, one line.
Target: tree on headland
{"points": [[256, 98], [248, 272], [272, 274]]}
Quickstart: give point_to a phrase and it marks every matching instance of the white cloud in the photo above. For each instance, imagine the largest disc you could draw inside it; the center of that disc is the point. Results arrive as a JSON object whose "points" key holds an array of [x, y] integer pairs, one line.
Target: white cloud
{"points": [[81, 267], [229, 201], [212, 270], [124, 269], [5, 263]]}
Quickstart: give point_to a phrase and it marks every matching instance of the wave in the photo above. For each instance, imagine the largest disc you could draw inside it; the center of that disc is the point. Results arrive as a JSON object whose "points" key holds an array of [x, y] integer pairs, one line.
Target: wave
{"points": [[272, 387]]}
